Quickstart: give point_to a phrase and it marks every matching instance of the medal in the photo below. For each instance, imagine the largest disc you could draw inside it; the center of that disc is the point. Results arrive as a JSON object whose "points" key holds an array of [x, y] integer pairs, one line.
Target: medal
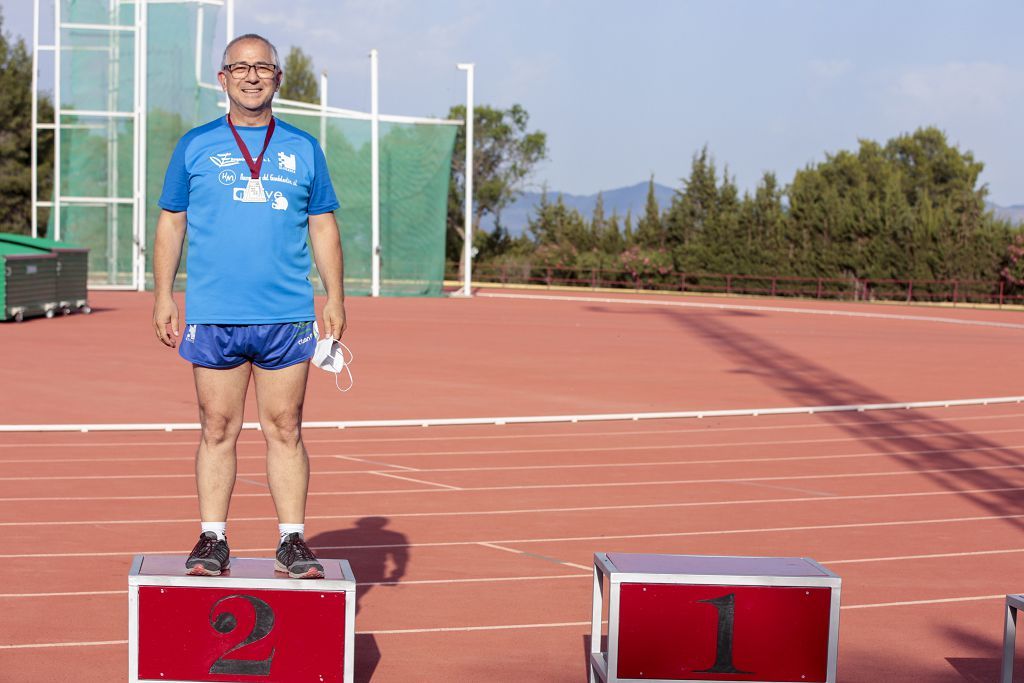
{"points": [[254, 188], [254, 191]]}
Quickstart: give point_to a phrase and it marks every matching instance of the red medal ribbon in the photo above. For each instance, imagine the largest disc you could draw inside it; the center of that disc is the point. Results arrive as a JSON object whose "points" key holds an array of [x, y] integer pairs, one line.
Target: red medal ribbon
{"points": [[254, 166]]}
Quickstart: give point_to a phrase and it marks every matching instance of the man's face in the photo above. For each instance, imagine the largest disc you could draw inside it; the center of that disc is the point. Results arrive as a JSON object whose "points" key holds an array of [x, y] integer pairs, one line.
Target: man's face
{"points": [[252, 92]]}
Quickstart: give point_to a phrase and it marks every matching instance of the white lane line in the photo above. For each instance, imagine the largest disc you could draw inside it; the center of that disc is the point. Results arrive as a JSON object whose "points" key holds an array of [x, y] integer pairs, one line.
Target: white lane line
{"points": [[403, 582], [513, 627], [562, 539], [546, 558], [534, 511], [936, 601], [877, 420], [539, 419], [612, 449], [362, 461], [464, 629], [92, 643], [553, 577], [929, 556], [615, 484], [68, 594], [444, 487], [503, 468], [766, 309]]}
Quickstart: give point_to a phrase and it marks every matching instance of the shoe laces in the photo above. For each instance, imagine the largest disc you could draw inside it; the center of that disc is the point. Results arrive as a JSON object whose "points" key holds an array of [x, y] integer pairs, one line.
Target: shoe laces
{"points": [[205, 546], [298, 550]]}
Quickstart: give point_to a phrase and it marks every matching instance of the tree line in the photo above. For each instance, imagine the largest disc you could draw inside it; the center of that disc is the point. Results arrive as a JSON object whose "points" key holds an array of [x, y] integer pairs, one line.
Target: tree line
{"points": [[909, 209]]}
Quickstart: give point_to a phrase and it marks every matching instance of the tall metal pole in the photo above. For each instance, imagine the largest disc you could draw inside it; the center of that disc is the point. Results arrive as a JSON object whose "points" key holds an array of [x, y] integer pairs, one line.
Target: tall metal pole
{"points": [[374, 178], [229, 10], [467, 248], [141, 226], [57, 55], [35, 119], [323, 111]]}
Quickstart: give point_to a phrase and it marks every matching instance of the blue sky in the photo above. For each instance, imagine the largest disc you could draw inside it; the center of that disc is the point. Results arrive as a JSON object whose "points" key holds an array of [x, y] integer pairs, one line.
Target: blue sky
{"points": [[627, 89]]}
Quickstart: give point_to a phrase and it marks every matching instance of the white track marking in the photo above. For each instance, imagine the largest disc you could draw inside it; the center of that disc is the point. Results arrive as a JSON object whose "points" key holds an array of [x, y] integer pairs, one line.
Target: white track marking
{"points": [[595, 449], [563, 539], [69, 594], [765, 309], [91, 643], [652, 463], [929, 556], [515, 627], [654, 482], [545, 558], [535, 419], [532, 511], [444, 487], [464, 629], [550, 577], [363, 461], [488, 437], [935, 601]]}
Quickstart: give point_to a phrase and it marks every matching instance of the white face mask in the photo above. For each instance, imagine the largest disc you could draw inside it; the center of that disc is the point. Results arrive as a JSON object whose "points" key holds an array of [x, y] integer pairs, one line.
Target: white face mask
{"points": [[334, 357]]}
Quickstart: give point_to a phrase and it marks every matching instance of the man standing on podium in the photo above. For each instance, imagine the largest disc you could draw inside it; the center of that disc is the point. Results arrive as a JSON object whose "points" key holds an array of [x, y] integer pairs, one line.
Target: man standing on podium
{"points": [[248, 189]]}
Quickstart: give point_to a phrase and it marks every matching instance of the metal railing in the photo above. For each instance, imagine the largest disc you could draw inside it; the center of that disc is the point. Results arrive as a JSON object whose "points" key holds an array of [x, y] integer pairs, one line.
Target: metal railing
{"points": [[994, 291]]}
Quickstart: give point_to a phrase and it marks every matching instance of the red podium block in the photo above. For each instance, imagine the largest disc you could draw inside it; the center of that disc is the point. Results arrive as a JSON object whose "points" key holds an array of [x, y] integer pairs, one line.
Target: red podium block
{"points": [[688, 618], [248, 624]]}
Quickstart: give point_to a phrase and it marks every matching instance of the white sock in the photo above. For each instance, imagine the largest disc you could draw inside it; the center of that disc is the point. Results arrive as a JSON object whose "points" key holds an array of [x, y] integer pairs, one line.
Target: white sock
{"points": [[285, 529], [219, 528]]}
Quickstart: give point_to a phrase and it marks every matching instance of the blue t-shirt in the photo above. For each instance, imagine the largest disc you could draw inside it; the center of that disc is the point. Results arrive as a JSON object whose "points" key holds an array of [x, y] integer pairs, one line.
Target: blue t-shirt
{"points": [[248, 262]]}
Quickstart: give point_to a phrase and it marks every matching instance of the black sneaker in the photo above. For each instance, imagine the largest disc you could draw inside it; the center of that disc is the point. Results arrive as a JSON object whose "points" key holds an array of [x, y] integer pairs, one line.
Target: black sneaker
{"points": [[295, 557], [210, 556]]}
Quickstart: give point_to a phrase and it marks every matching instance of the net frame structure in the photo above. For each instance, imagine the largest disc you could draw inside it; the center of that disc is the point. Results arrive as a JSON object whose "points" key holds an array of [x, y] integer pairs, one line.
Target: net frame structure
{"points": [[129, 19]]}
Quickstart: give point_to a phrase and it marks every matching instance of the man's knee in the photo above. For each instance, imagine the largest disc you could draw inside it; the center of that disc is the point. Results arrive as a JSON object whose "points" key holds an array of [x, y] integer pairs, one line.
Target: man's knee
{"points": [[218, 428], [283, 427]]}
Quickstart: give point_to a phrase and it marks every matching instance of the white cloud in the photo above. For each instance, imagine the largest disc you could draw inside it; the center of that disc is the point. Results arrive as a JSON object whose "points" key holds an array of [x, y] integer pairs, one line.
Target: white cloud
{"points": [[830, 70], [981, 89]]}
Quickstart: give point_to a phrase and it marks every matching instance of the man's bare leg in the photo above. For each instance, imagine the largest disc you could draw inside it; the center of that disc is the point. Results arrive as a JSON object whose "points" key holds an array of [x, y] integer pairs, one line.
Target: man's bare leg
{"points": [[280, 395], [221, 395]]}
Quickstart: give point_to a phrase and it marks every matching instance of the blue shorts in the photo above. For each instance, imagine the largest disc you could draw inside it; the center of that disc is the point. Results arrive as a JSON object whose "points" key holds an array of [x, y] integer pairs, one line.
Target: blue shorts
{"points": [[270, 347]]}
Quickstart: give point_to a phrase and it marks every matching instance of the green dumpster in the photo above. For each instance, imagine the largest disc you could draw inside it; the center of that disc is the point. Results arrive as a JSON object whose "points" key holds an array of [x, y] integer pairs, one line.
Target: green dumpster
{"points": [[72, 270], [28, 282]]}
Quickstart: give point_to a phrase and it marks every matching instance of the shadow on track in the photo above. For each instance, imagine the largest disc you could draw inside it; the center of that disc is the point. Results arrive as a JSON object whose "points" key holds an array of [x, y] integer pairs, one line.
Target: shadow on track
{"points": [[379, 557], [935, 449]]}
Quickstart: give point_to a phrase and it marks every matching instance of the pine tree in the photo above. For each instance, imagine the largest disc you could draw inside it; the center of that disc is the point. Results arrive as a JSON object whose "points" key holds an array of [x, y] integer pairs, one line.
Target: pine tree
{"points": [[649, 231], [299, 82], [16, 140]]}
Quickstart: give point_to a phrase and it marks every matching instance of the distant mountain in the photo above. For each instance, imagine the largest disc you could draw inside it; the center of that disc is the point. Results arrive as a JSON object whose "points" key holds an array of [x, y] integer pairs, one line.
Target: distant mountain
{"points": [[515, 217], [1014, 213]]}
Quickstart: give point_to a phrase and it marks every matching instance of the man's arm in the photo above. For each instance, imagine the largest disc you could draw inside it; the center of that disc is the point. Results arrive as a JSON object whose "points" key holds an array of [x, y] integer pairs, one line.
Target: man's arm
{"points": [[330, 263], [170, 233]]}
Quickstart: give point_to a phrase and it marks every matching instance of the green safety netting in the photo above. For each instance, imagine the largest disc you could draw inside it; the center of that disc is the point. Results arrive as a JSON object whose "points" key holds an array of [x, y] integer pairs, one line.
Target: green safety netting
{"points": [[97, 151]]}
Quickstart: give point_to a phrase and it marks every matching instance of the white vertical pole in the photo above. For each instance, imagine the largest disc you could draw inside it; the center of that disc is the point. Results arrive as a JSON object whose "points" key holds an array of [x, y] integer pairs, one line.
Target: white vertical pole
{"points": [[323, 111], [199, 44], [374, 179], [229, 10], [57, 58], [467, 250], [141, 99], [113, 178], [35, 118]]}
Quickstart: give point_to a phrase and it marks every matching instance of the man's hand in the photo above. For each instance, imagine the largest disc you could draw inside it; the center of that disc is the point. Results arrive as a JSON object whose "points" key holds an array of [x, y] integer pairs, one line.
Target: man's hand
{"points": [[334, 318], [165, 314]]}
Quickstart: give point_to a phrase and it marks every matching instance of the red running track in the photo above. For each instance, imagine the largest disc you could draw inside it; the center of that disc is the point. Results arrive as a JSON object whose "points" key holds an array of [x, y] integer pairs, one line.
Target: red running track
{"points": [[473, 544]]}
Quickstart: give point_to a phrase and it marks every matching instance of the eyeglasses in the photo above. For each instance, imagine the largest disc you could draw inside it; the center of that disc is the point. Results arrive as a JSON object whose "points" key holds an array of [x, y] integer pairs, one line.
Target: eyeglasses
{"points": [[240, 70]]}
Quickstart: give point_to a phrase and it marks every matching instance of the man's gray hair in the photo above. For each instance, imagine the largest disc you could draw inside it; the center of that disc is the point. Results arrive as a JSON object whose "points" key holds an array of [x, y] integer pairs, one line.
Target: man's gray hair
{"points": [[250, 36]]}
